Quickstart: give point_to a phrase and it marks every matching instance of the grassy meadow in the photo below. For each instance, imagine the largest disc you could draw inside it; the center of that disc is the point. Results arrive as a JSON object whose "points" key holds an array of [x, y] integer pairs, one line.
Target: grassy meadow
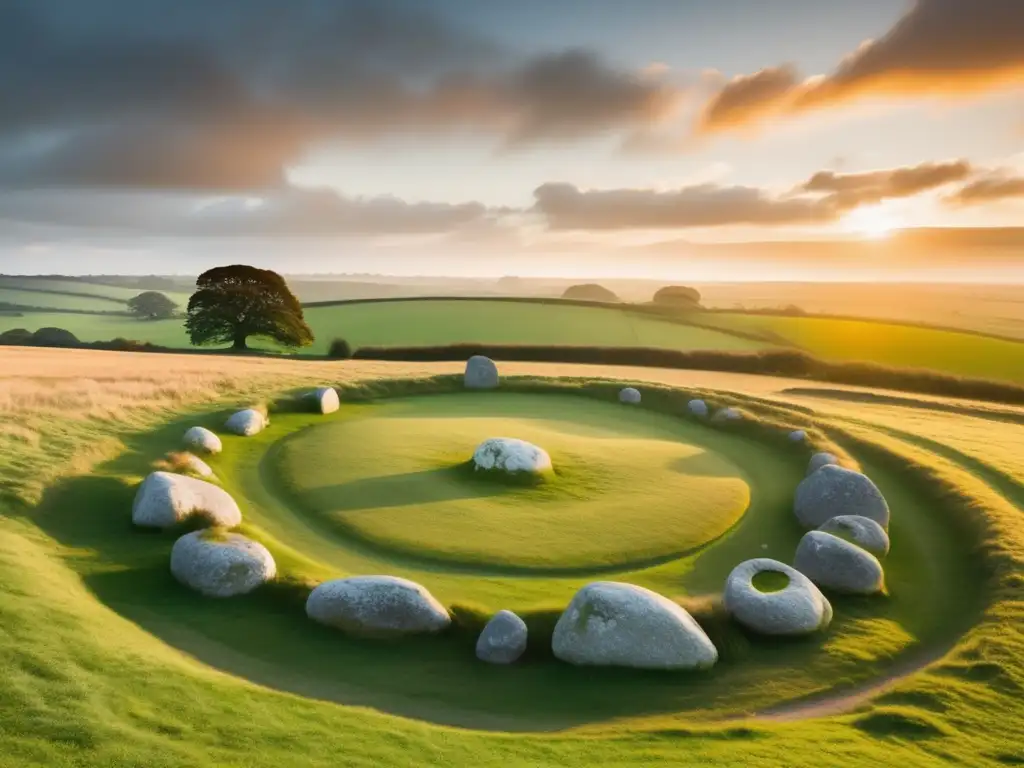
{"points": [[101, 646]]}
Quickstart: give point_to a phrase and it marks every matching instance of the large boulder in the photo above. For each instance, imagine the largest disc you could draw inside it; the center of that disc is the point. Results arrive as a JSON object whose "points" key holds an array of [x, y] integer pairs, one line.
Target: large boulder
{"points": [[629, 396], [698, 408], [822, 459], [376, 606], [165, 499], [613, 624], [481, 373], [798, 608], [221, 564], [510, 455], [202, 440], [862, 531], [247, 423], [503, 640], [836, 564], [325, 400], [832, 491]]}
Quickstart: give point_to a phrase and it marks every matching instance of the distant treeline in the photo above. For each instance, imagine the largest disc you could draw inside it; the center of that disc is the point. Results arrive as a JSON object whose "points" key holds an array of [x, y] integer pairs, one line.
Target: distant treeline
{"points": [[775, 362]]}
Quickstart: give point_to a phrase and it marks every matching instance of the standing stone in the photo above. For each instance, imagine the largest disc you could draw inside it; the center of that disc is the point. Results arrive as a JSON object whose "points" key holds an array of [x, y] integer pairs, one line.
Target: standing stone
{"points": [[221, 564], [797, 609], [613, 624], [629, 396], [835, 564], [326, 400], [503, 640], [247, 423], [698, 408], [481, 373], [376, 606], [202, 440], [165, 499], [832, 491], [862, 531]]}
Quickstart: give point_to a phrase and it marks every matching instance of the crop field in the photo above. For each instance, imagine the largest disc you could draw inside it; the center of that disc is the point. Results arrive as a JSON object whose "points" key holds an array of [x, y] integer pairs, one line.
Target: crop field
{"points": [[101, 645]]}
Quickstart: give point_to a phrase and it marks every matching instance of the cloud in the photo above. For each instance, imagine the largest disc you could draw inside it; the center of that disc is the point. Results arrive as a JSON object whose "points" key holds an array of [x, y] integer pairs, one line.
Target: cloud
{"points": [[995, 186], [938, 48], [228, 95], [565, 206], [849, 190]]}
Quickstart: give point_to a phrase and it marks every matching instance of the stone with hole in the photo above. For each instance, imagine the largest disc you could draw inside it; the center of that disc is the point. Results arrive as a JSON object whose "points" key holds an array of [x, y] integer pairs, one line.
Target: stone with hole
{"points": [[325, 400], [862, 531], [835, 564], [512, 456], [165, 499], [797, 608], [822, 459], [377, 606], [698, 408], [613, 624], [247, 423], [503, 640], [481, 373], [832, 491], [202, 440], [219, 564]]}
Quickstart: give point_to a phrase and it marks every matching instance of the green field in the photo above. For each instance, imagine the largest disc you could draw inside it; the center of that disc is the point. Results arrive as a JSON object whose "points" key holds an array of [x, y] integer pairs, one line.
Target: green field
{"points": [[50, 300], [102, 646]]}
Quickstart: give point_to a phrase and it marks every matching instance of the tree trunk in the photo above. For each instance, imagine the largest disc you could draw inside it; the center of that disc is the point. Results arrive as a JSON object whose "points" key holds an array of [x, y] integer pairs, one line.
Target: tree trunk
{"points": [[240, 344]]}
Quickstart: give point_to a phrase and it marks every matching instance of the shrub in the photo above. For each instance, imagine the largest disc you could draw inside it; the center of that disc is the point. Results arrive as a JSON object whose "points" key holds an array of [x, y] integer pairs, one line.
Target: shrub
{"points": [[55, 337], [678, 295], [19, 336], [340, 349], [590, 292]]}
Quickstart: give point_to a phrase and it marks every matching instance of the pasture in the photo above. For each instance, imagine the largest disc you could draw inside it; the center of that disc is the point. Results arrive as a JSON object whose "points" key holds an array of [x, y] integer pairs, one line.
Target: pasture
{"points": [[101, 645]]}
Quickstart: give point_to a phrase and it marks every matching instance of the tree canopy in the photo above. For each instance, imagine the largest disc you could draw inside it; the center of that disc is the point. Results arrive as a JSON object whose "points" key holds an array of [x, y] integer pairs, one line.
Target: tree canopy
{"points": [[678, 295], [589, 292], [152, 305], [234, 303]]}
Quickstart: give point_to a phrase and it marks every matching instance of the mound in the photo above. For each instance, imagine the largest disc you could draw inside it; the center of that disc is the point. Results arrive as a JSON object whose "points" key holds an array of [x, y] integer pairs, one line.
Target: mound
{"points": [[862, 531], [481, 373], [165, 499], [508, 454], [797, 609], [376, 606], [629, 395], [221, 565], [202, 440], [503, 640], [247, 423], [832, 491], [836, 564], [613, 624]]}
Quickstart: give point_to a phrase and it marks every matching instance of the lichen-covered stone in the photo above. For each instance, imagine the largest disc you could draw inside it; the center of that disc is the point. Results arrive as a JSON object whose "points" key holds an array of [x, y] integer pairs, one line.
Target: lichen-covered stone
{"points": [[376, 606], [613, 624], [165, 499], [247, 423], [822, 459], [325, 400], [832, 491], [862, 531], [481, 373], [221, 565], [797, 609], [503, 640], [698, 408], [508, 454], [835, 564], [202, 440], [629, 396]]}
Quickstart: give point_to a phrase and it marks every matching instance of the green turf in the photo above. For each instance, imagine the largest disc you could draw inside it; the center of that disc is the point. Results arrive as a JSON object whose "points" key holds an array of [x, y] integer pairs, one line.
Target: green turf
{"points": [[47, 300]]}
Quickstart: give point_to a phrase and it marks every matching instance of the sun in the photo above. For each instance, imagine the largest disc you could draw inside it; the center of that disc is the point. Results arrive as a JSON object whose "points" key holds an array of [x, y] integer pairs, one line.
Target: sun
{"points": [[872, 222]]}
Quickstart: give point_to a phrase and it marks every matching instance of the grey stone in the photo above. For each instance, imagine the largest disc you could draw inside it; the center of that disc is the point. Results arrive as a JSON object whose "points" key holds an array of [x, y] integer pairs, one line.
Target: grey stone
{"points": [[728, 414], [832, 563], [503, 640], [820, 460], [698, 408], [376, 606], [202, 440], [797, 609], [481, 373], [797, 436], [862, 531], [221, 565], [511, 455], [832, 491], [629, 395], [247, 423], [613, 624], [165, 499]]}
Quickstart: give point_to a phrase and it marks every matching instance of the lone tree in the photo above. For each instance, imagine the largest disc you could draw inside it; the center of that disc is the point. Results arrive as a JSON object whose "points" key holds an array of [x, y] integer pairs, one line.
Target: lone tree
{"points": [[152, 306], [233, 303], [678, 295], [590, 292]]}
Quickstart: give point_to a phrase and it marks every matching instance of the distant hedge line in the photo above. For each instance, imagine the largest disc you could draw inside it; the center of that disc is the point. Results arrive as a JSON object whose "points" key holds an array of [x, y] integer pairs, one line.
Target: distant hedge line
{"points": [[788, 363]]}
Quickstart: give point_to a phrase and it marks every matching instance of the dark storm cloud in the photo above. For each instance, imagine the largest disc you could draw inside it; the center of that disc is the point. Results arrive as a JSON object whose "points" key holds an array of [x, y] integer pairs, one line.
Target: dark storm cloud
{"points": [[185, 93], [940, 47]]}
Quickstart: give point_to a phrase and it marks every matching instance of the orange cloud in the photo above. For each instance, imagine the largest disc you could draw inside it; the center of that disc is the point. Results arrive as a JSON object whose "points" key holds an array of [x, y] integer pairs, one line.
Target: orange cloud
{"points": [[988, 189], [849, 190]]}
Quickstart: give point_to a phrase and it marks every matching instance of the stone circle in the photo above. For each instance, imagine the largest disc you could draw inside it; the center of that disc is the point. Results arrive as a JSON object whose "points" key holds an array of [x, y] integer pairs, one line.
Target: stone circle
{"points": [[481, 373], [165, 499], [376, 606], [508, 454], [862, 531], [629, 396], [202, 440], [614, 624], [503, 640], [799, 608], [836, 564], [832, 491], [822, 459], [247, 423], [221, 564]]}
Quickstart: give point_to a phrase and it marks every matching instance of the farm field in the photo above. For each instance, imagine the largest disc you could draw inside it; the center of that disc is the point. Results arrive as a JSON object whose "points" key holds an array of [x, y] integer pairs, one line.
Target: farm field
{"points": [[927, 675]]}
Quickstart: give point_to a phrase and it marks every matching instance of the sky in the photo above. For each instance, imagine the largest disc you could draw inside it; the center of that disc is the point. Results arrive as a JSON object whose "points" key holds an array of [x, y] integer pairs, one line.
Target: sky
{"points": [[666, 138]]}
